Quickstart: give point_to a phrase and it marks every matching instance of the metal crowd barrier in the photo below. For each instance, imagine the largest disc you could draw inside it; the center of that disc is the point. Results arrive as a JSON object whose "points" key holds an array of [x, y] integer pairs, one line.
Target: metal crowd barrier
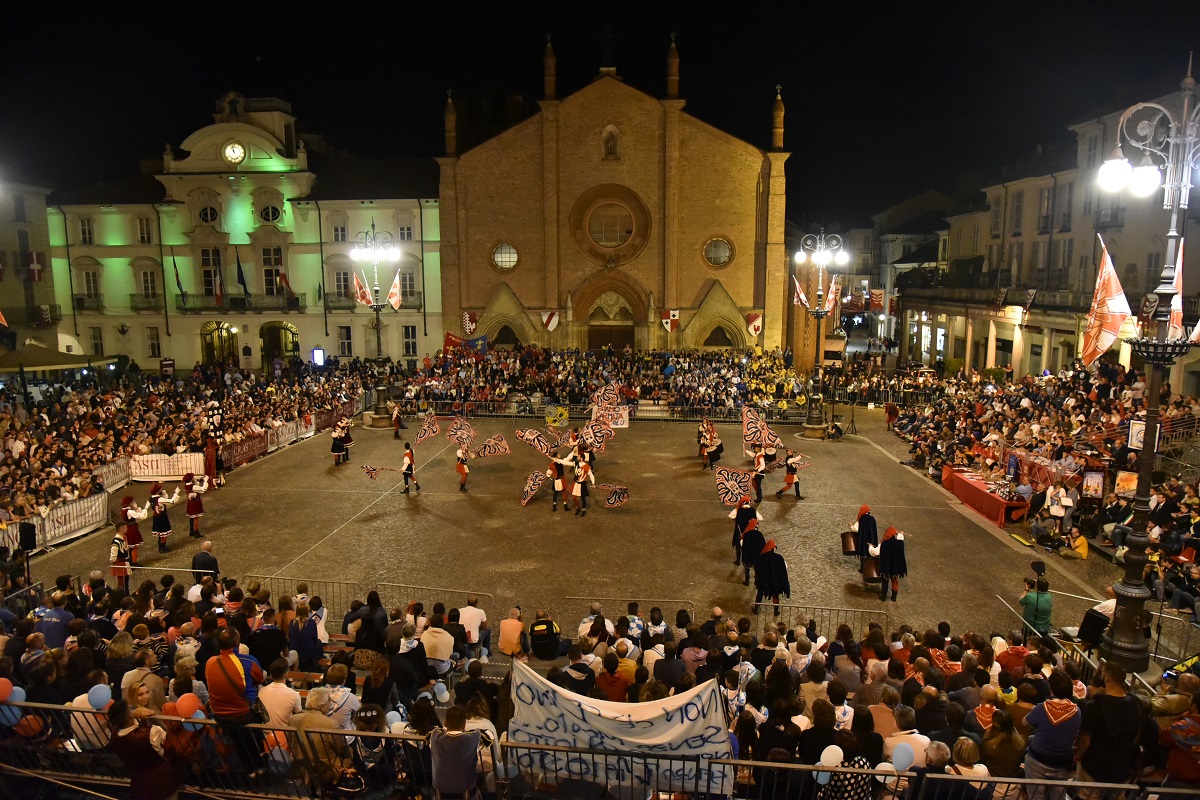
{"points": [[184, 576], [25, 600], [399, 595], [253, 446], [67, 745], [571, 611], [71, 519], [336, 596], [825, 619], [644, 411]]}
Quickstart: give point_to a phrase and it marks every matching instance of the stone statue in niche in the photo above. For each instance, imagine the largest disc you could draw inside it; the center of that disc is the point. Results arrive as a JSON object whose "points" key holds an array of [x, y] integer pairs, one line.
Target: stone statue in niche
{"points": [[610, 144]]}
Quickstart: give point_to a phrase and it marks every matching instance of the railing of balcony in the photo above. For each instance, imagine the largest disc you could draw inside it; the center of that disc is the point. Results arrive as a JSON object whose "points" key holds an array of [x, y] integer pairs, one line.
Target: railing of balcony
{"points": [[143, 302], [88, 302], [195, 303], [33, 315], [340, 302]]}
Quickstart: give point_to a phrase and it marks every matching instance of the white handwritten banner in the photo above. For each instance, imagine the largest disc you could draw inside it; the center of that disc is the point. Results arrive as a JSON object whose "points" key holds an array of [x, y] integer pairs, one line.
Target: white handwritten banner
{"points": [[612, 416], [669, 742]]}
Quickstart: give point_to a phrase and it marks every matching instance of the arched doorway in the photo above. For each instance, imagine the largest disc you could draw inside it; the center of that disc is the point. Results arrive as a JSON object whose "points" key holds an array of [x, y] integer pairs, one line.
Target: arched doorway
{"points": [[218, 343], [719, 338], [611, 322], [505, 337], [277, 340]]}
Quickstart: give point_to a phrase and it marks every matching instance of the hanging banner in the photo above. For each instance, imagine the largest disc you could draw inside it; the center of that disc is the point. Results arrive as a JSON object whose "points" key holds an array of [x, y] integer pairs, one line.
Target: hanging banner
{"points": [[690, 725]]}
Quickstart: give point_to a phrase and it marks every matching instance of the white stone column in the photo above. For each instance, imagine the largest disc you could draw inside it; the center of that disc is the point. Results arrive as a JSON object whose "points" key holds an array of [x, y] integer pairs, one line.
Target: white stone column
{"points": [[1049, 357], [1125, 354], [990, 360], [1018, 356], [968, 354]]}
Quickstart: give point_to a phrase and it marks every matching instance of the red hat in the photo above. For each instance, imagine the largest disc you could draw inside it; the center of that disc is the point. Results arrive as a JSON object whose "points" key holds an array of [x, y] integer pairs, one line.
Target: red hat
{"points": [[189, 477], [745, 499], [770, 545], [156, 488], [751, 524], [863, 509], [126, 501], [890, 532]]}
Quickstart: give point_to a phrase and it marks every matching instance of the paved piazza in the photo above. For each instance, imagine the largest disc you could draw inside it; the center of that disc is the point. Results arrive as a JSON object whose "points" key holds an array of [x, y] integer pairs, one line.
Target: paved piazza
{"points": [[294, 514]]}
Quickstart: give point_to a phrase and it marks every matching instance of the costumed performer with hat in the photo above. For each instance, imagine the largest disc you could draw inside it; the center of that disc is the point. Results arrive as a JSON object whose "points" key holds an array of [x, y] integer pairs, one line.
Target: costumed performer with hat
{"points": [[892, 566], [161, 524], [867, 534], [194, 487], [130, 514]]}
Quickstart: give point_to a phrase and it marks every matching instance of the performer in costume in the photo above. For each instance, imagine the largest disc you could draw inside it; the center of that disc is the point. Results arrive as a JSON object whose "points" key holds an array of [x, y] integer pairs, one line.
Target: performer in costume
{"points": [[583, 474], [892, 566], [130, 514], [713, 449], [867, 532], [701, 437], [194, 487], [741, 515], [790, 479], [753, 543], [891, 413], [161, 523], [559, 484], [347, 439], [119, 555], [397, 422], [409, 468], [770, 577], [338, 446], [760, 470], [461, 455]]}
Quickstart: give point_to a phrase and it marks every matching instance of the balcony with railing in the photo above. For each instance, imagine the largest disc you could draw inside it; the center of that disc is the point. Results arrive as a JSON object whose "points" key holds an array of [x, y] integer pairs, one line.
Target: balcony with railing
{"points": [[88, 302], [410, 300], [206, 303], [140, 301], [39, 315]]}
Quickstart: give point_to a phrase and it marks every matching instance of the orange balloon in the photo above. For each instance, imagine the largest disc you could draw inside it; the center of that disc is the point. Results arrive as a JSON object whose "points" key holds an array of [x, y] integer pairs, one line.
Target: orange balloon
{"points": [[170, 710], [274, 739], [30, 725], [188, 704], [5, 689]]}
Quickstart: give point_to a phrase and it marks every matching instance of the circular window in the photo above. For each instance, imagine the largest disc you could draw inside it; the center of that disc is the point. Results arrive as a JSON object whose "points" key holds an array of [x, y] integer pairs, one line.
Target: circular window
{"points": [[209, 214], [718, 252], [269, 214], [504, 256], [610, 225]]}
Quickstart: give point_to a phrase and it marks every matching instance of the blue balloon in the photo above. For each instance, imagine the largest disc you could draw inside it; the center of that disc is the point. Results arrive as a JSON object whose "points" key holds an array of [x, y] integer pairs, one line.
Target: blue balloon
{"points": [[902, 756], [279, 760], [9, 716], [17, 696], [98, 696], [823, 777], [195, 726], [393, 717]]}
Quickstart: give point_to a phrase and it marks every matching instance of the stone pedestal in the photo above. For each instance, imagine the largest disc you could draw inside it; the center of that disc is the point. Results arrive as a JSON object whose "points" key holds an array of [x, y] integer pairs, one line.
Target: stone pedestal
{"points": [[814, 431], [376, 421]]}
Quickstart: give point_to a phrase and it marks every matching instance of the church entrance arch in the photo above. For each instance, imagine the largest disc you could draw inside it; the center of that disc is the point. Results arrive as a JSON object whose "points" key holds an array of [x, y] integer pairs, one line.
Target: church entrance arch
{"points": [[611, 322], [277, 340], [218, 343]]}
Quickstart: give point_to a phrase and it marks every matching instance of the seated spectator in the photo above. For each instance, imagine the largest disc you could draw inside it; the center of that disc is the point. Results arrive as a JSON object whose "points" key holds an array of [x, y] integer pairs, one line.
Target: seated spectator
{"points": [[281, 701], [611, 682], [514, 642], [906, 731]]}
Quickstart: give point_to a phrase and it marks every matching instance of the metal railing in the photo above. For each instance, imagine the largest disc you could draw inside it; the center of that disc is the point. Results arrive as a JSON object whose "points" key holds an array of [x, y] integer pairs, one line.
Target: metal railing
{"points": [[241, 302], [24, 600], [85, 302], [522, 407], [144, 302], [825, 619], [68, 745], [336, 596], [399, 595], [571, 611]]}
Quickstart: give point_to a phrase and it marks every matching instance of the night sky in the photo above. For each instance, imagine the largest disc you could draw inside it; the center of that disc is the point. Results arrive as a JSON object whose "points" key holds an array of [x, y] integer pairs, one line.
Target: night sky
{"points": [[882, 101]]}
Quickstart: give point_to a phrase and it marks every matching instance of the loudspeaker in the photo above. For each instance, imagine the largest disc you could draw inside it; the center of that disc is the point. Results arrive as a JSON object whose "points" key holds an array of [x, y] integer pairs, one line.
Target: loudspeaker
{"points": [[1038, 567], [27, 537], [1092, 628]]}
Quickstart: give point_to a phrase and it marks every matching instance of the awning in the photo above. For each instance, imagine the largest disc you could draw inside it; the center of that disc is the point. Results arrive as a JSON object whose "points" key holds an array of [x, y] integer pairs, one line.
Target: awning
{"points": [[35, 358]]}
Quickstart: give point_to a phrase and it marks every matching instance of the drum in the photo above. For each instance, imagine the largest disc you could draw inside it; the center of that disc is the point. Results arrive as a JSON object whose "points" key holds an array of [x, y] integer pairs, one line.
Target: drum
{"points": [[870, 570], [849, 543]]}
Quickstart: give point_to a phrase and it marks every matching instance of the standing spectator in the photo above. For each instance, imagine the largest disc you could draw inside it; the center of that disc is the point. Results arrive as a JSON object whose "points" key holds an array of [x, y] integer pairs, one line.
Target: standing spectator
{"points": [[455, 752], [1107, 747], [140, 748], [205, 563], [303, 640], [233, 680]]}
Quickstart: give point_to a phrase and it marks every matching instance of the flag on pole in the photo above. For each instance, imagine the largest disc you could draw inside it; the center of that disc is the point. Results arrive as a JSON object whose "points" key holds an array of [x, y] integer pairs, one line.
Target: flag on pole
{"points": [[34, 273], [799, 299], [241, 276], [178, 282], [283, 278], [1109, 311], [394, 295], [670, 319], [470, 321], [877, 299], [550, 320], [360, 292], [1175, 329], [833, 299], [219, 284]]}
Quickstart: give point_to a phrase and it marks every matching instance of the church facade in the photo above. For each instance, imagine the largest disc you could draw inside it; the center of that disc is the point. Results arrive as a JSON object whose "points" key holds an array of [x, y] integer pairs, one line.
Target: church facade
{"points": [[609, 213]]}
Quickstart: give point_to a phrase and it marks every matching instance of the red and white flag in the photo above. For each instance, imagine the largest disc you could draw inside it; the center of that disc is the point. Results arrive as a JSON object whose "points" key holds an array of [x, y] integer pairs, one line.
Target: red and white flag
{"points": [[283, 279], [670, 319], [877, 299], [550, 320], [832, 300], [394, 294], [360, 292], [1175, 329], [754, 323], [799, 299], [1109, 311], [470, 320], [35, 267]]}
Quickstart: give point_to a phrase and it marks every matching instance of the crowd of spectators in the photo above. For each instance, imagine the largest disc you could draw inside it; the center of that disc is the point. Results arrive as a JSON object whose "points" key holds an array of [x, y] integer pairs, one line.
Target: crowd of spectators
{"points": [[995, 706]]}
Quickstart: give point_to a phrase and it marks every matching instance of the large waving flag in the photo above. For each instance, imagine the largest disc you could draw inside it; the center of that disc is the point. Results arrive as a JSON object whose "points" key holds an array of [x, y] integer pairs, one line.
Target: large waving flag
{"points": [[360, 292], [799, 299], [1175, 329], [178, 282], [1109, 311], [241, 276], [831, 302], [394, 294]]}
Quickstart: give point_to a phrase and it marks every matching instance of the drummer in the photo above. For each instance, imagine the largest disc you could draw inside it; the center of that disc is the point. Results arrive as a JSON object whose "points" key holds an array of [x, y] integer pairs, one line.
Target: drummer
{"points": [[867, 533]]}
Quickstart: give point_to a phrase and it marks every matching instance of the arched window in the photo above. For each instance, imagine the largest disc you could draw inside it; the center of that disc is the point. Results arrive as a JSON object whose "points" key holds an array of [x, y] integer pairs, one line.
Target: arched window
{"points": [[718, 338]]}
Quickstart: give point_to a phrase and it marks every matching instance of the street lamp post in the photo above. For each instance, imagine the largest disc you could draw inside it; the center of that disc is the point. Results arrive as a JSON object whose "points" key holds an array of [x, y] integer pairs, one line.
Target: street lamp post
{"points": [[1167, 140], [825, 249], [373, 247]]}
